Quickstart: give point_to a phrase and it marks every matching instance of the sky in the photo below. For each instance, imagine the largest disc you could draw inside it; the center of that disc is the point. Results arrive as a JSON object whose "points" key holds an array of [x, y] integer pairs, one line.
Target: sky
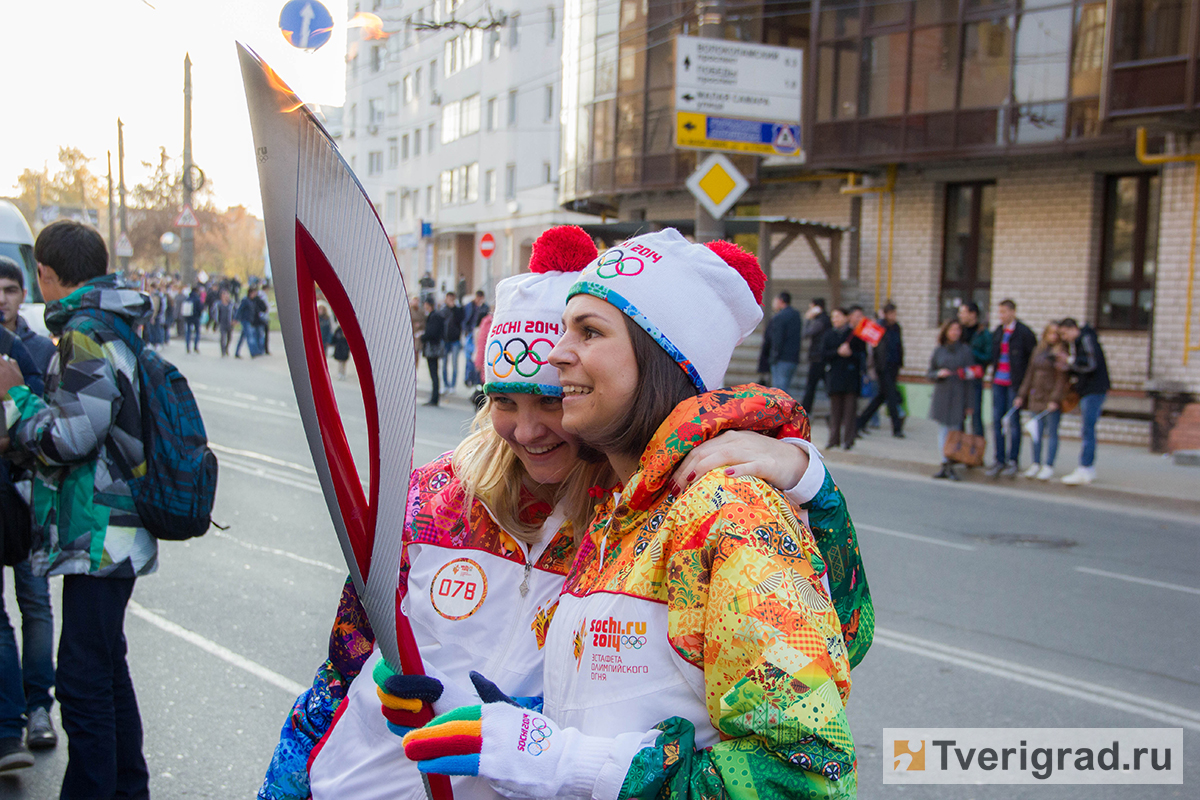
{"points": [[71, 67]]}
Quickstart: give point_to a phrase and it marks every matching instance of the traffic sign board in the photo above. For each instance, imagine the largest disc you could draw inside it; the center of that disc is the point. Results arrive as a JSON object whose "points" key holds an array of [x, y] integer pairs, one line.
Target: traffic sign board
{"points": [[704, 132], [717, 184], [187, 218], [124, 246], [722, 77], [487, 245], [306, 24]]}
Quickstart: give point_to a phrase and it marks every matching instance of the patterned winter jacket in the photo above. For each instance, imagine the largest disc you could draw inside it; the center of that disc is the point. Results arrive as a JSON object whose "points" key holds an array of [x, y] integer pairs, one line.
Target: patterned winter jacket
{"points": [[704, 622], [83, 441]]}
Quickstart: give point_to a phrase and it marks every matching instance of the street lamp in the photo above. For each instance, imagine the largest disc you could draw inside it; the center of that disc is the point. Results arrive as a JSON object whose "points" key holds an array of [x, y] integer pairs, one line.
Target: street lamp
{"points": [[171, 243]]}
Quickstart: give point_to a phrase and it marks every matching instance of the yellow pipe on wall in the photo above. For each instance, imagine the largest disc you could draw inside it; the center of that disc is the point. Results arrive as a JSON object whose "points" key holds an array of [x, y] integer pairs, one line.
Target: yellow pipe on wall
{"points": [[888, 188], [1154, 160]]}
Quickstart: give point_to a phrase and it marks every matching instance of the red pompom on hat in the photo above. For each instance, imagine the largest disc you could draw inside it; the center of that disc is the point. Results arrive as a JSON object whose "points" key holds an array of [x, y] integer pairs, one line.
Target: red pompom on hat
{"points": [[744, 262], [564, 248]]}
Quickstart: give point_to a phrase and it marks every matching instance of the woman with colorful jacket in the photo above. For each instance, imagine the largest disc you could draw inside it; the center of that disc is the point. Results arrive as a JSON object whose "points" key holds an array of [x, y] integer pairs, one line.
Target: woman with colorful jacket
{"points": [[695, 650], [490, 535]]}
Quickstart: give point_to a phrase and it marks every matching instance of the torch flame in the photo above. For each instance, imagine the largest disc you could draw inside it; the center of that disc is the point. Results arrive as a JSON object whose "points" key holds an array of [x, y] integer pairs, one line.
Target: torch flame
{"points": [[278, 85], [371, 24]]}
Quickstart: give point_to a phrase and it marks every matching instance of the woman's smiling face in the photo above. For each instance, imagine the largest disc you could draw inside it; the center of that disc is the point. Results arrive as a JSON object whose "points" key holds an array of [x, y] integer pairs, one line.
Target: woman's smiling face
{"points": [[532, 425], [596, 366]]}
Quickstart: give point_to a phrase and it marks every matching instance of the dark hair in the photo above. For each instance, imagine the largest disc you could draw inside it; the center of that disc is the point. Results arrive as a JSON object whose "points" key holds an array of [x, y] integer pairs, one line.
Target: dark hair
{"points": [[480, 293], [452, 294], [845, 312], [662, 385], [75, 251], [855, 307], [889, 308], [942, 338], [429, 302], [786, 297], [1011, 304], [1069, 322], [819, 302], [11, 270], [972, 307]]}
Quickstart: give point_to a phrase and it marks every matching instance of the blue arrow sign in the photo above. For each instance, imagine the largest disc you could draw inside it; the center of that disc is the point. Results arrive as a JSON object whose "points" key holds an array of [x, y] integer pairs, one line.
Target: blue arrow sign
{"points": [[306, 24]]}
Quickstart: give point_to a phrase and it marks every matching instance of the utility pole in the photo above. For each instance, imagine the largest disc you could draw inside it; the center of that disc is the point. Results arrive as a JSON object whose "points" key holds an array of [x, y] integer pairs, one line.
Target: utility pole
{"points": [[112, 222], [187, 254], [712, 17], [121, 190]]}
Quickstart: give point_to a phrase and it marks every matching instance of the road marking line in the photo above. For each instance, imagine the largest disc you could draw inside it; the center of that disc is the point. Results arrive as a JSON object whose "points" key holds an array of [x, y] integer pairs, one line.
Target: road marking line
{"points": [[285, 553], [211, 647], [1144, 581], [220, 448], [1042, 679], [915, 537], [259, 472], [248, 407], [443, 446]]}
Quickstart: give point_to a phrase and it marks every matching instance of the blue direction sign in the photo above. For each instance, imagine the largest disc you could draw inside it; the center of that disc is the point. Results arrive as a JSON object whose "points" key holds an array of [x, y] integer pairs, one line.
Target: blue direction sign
{"points": [[306, 24], [706, 132]]}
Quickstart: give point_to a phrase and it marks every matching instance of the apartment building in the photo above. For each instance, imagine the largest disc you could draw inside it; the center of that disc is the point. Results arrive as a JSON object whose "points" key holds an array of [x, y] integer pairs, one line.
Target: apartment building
{"points": [[992, 143], [451, 122]]}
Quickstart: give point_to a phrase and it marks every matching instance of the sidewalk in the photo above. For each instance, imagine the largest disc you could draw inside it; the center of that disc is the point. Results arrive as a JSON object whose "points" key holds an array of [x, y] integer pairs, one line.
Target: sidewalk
{"points": [[1123, 473]]}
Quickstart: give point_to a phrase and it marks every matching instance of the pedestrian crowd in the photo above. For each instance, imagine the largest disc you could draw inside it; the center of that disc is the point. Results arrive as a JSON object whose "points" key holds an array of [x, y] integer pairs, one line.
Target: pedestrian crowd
{"points": [[443, 333], [854, 358]]}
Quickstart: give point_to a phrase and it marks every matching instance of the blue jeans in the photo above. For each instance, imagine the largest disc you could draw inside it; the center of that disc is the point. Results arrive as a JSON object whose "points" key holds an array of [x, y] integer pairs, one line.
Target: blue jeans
{"points": [[252, 336], [450, 376], [1089, 407], [781, 374], [1047, 434], [191, 335], [1010, 449], [25, 684], [95, 693]]}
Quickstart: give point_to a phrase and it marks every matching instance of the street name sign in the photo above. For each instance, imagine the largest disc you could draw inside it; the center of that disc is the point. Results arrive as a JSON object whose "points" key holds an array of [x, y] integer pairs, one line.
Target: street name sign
{"points": [[737, 97], [717, 184]]}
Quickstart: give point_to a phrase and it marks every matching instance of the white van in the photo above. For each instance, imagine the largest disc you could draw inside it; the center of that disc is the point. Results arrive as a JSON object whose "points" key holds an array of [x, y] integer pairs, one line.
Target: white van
{"points": [[16, 242]]}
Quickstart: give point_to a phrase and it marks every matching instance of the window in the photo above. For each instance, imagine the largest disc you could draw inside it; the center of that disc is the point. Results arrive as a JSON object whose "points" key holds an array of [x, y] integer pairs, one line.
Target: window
{"points": [[393, 98], [429, 201], [512, 108], [432, 76], [547, 172], [549, 93], [417, 142], [450, 56], [514, 31], [510, 182], [1129, 258], [375, 162], [451, 114], [376, 58], [394, 152], [967, 246], [408, 88], [429, 139], [353, 118], [489, 186], [404, 146], [491, 114], [417, 82], [375, 109], [404, 197], [447, 181], [552, 23], [471, 182], [390, 209], [470, 115], [493, 44]]}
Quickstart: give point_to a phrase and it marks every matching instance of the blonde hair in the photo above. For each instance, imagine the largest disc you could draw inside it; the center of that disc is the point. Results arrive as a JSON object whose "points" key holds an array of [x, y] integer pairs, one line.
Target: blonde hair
{"points": [[491, 472]]}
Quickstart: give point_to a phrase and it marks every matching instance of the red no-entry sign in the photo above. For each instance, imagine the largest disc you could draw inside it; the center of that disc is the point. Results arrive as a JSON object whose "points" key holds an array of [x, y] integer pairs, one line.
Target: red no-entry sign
{"points": [[487, 245]]}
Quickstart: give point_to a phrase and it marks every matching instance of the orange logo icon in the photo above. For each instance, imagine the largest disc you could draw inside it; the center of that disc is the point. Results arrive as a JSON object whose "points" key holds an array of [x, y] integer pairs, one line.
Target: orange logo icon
{"points": [[908, 756]]}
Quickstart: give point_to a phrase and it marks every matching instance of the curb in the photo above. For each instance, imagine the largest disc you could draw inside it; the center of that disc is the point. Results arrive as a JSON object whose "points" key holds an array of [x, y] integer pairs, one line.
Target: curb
{"points": [[1051, 488]]}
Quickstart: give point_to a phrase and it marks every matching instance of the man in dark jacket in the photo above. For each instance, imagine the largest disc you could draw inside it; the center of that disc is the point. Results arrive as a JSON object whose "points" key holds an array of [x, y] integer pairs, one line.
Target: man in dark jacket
{"points": [[433, 346], [1012, 345], [194, 306], [979, 338], [888, 356], [783, 333], [12, 292], [452, 317], [247, 315], [816, 322], [1089, 379], [472, 316]]}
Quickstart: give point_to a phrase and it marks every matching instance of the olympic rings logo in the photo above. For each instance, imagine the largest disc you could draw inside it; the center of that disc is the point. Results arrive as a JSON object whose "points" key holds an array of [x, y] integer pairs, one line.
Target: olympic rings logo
{"points": [[504, 359], [626, 265], [539, 733], [632, 642]]}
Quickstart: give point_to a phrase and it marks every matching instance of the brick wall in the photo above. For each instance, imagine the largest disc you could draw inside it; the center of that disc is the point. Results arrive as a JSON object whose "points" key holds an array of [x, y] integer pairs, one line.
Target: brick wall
{"points": [[1170, 296]]}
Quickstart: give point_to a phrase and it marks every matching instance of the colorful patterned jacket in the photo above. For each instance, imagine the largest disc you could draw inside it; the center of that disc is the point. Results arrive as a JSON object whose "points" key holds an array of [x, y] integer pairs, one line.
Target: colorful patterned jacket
{"points": [[703, 620], [84, 440]]}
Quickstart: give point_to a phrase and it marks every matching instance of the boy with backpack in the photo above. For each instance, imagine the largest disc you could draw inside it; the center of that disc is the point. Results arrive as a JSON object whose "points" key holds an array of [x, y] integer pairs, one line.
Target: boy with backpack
{"points": [[84, 441]]}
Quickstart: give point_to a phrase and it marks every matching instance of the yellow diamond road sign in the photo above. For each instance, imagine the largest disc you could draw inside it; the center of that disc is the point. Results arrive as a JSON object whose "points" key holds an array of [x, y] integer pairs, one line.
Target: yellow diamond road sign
{"points": [[717, 184]]}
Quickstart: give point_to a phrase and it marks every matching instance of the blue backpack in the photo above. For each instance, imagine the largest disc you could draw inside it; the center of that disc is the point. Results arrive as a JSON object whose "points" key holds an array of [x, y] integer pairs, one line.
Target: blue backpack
{"points": [[174, 495]]}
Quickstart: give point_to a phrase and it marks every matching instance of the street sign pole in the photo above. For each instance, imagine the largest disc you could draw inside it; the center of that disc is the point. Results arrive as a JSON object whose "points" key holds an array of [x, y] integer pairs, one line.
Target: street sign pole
{"points": [[187, 255], [712, 15], [112, 222], [121, 171]]}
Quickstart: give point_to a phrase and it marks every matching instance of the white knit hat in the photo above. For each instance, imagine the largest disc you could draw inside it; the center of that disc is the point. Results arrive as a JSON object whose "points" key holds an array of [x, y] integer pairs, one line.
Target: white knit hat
{"points": [[527, 321], [697, 305]]}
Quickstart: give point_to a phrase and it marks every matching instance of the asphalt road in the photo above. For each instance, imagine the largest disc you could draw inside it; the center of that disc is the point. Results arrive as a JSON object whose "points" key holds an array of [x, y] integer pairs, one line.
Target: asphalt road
{"points": [[994, 610]]}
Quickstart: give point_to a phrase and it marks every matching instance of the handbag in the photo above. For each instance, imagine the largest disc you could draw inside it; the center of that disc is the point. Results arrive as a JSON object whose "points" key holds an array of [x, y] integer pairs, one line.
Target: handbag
{"points": [[434, 349], [1070, 401], [964, 448], [15, 522]]}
